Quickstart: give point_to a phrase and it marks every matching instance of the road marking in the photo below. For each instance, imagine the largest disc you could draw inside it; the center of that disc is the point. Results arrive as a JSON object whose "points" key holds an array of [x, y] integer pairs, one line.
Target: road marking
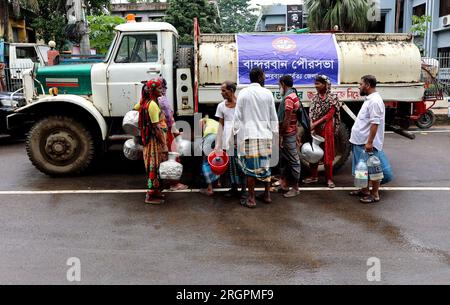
{"points": [[422, 131], [303, 189]]}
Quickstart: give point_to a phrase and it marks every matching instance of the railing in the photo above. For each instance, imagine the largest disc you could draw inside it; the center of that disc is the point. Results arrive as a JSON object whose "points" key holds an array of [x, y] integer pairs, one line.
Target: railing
{"points": [[444, 72], [12, 79], [70, 59]]}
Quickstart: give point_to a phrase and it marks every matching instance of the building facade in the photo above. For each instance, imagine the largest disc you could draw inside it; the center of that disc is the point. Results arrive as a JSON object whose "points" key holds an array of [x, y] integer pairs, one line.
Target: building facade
{"points": [[19, 26], [281, 17], [144, 12]]}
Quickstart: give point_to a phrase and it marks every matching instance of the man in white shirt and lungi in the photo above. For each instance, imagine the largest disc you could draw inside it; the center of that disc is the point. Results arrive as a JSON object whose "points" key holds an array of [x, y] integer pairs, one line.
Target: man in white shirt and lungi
{"points": [[368, 136], [255, 123]]}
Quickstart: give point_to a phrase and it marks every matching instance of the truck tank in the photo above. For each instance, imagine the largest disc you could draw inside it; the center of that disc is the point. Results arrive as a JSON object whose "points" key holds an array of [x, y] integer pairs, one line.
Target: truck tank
{"points": [[359, 54]]}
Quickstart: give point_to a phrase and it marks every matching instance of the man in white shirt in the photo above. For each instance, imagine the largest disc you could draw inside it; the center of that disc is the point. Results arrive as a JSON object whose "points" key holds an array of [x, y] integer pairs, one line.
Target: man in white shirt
{"points": [[255, 123], [368, 134]]}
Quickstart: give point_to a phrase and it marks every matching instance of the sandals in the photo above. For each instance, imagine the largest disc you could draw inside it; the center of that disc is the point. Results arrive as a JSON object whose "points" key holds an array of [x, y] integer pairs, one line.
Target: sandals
{"points": [[179, 187], [358, 193], [369, 199], [247, 203], [292, 193], [310, 180]]}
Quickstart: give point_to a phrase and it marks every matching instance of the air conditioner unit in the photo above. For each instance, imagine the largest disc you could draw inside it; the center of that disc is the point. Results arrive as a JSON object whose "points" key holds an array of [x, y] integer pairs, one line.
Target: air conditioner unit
{"points": [[446, 21]]}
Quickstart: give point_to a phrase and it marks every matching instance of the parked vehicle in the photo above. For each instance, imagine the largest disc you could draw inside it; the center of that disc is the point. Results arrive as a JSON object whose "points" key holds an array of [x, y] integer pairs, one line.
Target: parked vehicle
{"points": [[85, 118]]}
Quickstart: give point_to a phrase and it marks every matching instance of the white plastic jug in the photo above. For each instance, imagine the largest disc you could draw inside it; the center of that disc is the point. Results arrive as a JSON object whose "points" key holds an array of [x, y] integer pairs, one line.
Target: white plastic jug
{"points": [[374, 168], [361, 174]]}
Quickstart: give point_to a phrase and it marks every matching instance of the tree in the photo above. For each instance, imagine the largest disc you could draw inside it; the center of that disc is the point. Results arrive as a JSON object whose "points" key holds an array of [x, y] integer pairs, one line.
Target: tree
{"points": [[51, 20], [102, 31], [143, 1], [181, 14], [236, 16], [419, 29], [349, 15]]}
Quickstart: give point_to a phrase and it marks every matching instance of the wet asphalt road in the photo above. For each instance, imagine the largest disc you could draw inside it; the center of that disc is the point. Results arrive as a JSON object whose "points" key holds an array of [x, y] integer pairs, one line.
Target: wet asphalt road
{"points": [[322, 237]]}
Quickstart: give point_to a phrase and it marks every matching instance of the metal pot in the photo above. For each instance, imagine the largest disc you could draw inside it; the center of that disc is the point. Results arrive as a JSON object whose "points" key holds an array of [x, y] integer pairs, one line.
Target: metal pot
{"points": [[132, 150], [312, 153], [130, 123]]}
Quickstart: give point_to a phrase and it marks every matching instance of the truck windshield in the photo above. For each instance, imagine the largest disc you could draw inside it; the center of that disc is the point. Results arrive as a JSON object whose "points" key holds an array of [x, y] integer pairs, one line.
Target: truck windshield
{"points": [[138, 48], [108, 54], [44, 51]]}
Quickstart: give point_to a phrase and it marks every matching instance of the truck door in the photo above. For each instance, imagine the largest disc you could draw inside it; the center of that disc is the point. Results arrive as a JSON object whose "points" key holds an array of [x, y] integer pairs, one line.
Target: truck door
{"points": [[136, 59]]}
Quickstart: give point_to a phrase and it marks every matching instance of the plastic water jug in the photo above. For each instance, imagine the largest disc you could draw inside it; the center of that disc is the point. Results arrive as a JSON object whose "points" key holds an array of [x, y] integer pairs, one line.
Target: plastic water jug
{"points": [[374, 168], [361, 174]]}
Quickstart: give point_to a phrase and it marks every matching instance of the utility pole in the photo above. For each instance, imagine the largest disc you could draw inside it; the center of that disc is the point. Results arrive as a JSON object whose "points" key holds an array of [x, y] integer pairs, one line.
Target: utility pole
{"points": [[76, 15], [5, 19]]}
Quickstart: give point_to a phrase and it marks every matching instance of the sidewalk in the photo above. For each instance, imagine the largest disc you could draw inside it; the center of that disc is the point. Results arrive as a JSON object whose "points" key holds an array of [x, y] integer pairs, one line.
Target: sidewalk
{"points": [[441, 111]]}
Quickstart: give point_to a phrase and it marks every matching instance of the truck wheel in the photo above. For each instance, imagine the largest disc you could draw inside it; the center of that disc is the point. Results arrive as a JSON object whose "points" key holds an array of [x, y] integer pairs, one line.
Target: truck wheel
{"points": [[185, 57], [59, 146], [426, 120], [342, 148]]}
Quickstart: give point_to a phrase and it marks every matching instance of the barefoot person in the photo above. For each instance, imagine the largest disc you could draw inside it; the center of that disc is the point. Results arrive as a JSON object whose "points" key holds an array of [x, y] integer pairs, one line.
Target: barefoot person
{"points": [[325, 121], [255, 123]]}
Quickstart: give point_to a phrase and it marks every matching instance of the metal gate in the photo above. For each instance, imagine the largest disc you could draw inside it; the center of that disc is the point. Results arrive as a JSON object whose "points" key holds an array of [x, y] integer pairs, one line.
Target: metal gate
{"points": [[11, 79]]}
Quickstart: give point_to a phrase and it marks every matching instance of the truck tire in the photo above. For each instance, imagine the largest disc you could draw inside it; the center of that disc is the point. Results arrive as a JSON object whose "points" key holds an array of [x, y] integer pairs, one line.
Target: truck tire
{"points": [[185, 57], [60, 146], [342, 149], [426, 120]]}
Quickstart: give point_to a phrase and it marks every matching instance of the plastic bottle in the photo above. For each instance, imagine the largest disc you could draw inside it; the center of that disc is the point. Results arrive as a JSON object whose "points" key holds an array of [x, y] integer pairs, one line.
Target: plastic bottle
{"points": [[361, 174], [374, 168]]}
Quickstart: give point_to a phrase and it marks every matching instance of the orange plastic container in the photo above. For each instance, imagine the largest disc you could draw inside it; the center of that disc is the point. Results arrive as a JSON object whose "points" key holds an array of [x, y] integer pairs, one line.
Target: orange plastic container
{"points": [[218, 164]]}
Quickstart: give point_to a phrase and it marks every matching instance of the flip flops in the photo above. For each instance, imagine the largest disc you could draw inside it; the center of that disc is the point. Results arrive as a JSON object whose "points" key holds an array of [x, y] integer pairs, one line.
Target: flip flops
{"points": [[358, 193], [292, 193], [369, 199]]}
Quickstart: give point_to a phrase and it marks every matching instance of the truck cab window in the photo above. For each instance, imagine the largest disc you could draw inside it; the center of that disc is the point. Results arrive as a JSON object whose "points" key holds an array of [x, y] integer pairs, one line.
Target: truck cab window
{"points": [[27, 52], [138, 48]]}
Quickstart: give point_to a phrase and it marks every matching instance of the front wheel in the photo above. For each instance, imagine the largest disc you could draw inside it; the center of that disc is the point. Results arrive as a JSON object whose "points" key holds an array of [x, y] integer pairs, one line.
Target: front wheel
{"points": [[59, 146]]}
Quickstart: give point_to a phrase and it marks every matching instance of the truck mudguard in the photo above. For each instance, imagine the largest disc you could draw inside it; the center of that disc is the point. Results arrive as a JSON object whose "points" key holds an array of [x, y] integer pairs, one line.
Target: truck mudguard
{"points": [[73, 99]]}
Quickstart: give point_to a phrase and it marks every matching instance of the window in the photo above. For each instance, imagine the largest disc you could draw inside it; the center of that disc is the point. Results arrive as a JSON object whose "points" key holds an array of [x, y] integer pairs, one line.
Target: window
{"points": [[445, 8], [138, 48], [420, 10], [27, 52]]}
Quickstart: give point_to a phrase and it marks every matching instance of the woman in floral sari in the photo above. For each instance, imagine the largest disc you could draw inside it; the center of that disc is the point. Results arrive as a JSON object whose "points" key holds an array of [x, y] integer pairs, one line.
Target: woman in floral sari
{"points": [[152, 124], [325, 121]]}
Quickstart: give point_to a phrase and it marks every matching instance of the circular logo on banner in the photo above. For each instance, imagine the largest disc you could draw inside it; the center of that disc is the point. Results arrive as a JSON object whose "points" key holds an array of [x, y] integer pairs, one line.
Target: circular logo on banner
{"points": [[284, 44]]}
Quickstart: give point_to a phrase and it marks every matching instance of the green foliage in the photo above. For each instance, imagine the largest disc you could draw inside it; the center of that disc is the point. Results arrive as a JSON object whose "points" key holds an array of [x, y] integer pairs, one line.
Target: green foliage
{"points": [[143, 1], [236, 16], [51, 20], [102, 31], [420, 25], [181, 14], [50, 23], [349, 15]]}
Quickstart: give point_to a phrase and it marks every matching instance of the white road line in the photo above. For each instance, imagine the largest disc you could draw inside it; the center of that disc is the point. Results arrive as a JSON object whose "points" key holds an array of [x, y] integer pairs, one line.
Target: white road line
{"points": [[422, 131], [303, 189]]}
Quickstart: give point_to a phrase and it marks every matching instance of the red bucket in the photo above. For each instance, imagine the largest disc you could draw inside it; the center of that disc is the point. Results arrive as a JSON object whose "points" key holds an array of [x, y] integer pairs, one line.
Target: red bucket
{"points": [[218, 164]]}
